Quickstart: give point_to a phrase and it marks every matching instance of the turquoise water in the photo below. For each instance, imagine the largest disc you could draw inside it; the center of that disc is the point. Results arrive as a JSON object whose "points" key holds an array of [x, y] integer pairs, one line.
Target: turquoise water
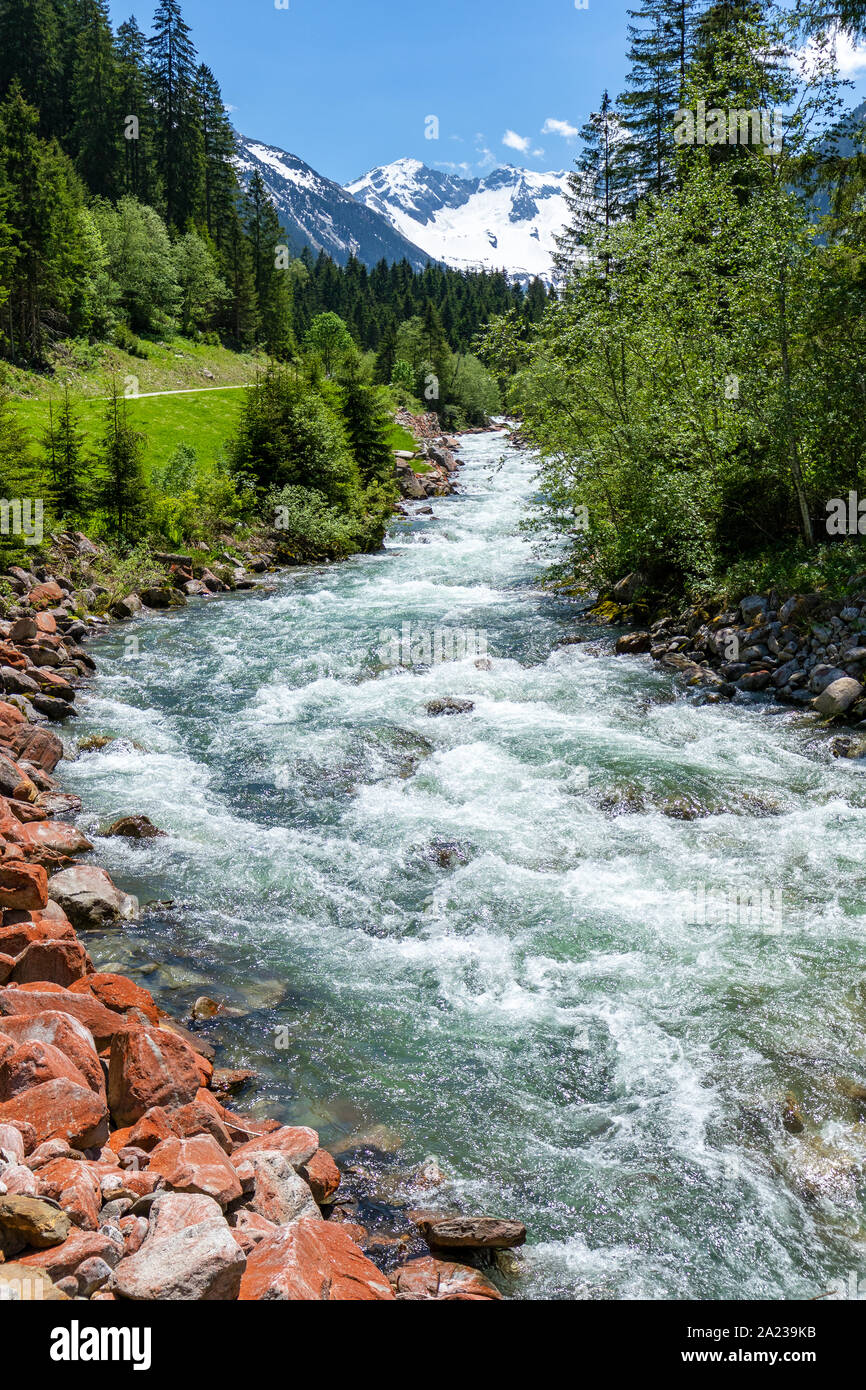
{"points": [[491, 932]]}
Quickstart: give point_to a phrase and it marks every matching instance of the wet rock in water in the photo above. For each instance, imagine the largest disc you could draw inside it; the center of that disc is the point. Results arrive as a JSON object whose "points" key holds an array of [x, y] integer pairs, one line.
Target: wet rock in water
{"points": [[448, 854], [323, 1176], [472, 1232], [684, 807], [429, 1279], [792, 1117], [852, 1090], [818, 1171], [126, 607], [230, 1081], [134, 828], [89, 898], [633, 643], [205, 1008], [91, 742], [379, 1139], [450, 704]]}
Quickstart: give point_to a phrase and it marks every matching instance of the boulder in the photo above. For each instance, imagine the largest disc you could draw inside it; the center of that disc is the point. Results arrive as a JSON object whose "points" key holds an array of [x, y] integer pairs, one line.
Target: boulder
{"points": [[197, 1165], [201, 1263], [21, 1284], [38, 746], [120, 994], [147, 1067], [23, 885], [30, 1063], [311, 1261], [64, 1033], [297, 1143], [89, 898], [100, 1022], [51, 962], [450, 704], [63, 1261], [442, 1281], [322, 1174], [46, 595], [76, 1185], [472, 1232], [176, 1211], [838, 696], [33, 1222], [126, 607], [61, 1109], [633, 643], [135, 828], [279, 1194]]}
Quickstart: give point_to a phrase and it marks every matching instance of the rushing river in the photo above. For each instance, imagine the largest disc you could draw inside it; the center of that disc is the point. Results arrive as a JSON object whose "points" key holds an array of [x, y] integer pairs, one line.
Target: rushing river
{"points": [[494, 933]]}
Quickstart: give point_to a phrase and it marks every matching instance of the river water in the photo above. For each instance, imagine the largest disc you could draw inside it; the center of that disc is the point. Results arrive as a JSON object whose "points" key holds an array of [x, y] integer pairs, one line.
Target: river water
{"points": [[579, 943]]}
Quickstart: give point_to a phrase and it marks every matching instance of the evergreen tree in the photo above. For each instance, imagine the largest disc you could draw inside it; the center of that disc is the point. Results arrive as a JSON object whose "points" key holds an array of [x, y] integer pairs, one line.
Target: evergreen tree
{"points": [[367, 426], [121, 476], [660, 45], [96, 134], [180, 154], [133, 101], [30, 55], [63, 443], [597, 186], [218, 148]]}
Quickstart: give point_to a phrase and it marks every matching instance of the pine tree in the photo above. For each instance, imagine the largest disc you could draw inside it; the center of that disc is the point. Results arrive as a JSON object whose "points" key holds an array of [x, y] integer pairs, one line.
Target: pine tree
{"points": [[660, 47], [597, 185], [63, 443], [367, 426], [96, 134], [30, 54], [121, 484], [218, 147], [133, 113], [180, 153]]}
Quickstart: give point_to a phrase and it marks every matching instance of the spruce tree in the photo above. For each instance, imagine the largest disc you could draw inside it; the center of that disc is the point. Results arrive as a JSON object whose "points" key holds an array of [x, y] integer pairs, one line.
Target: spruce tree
{"points": [[96, 136], [121, 476], [63, 443], [132, 100], [220, 183], [367, 425], [180, 155]]}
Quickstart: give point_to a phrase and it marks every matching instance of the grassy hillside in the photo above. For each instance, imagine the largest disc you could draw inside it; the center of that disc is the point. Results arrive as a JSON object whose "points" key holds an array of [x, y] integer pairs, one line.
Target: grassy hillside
{"points": [[203, 418]]}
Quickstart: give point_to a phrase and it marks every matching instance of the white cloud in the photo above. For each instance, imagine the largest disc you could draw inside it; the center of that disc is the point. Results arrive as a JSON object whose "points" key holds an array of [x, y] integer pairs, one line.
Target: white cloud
{"points": [[538, 154], [850, 56], [553, 127], [517, 142]]}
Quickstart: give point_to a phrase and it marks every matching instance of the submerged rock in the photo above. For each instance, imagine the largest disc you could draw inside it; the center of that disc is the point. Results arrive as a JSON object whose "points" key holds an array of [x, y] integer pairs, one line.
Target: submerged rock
{"points": [[450, 704], [136, 827]]}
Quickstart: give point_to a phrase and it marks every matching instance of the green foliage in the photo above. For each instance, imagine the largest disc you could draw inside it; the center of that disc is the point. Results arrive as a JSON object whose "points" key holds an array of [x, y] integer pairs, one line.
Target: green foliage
{"points": [[288, 435]]}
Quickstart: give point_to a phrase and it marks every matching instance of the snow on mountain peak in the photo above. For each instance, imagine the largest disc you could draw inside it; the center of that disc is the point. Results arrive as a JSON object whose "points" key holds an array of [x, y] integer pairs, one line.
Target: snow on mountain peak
{"points": [[507, 220]]}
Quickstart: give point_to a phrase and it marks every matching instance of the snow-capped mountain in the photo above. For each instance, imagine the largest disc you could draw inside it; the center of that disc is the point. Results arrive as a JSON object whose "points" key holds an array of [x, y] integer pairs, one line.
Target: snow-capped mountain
{"points": [[318, 213], [508, 220]]}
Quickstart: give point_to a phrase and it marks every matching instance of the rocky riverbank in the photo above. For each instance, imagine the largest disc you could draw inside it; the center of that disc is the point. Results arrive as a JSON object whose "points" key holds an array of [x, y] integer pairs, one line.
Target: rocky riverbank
{"points": [[806, 650], [124, 1173]]}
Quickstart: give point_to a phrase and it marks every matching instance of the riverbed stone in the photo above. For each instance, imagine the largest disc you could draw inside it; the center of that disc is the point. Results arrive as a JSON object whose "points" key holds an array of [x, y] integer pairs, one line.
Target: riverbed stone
{"points": [[202, 1263], [311, 1261], [837, 696], [61, 1109], [147, 1067], [33, 1221], [429, 1279], [472, 1232], [89, 898]]}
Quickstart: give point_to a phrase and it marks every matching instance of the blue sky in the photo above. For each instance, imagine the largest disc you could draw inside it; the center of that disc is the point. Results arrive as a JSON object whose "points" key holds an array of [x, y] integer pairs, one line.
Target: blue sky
{"points": [[348, 84]]}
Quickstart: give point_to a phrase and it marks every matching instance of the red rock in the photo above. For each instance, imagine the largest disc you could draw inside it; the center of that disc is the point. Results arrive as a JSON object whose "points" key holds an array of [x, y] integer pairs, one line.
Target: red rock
{"points": [[119, 1139], [120, 994], [311, 1261], [10, 714], [61, 1110], [202, 1263], [24, 811], [472, 1232], [54, 962], [7, 965], [31, 1064], [16, 937], [134, 1229], [196, 1165], [38, 746], [65, 1033], [75, 1184], [278, 1192], [12, 1144], [142, 1183], [153, 1127], [297, 1143], [50, 1149], [47, 595], [443, 1282], [322, 1174], [23, 885], [177, 1211], [63, 1260], [102, 1023], [51, 837], [27, 1132], [20, 1181], [249, 1228], [45, 622], [149, 1066], [199, 1118]]}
